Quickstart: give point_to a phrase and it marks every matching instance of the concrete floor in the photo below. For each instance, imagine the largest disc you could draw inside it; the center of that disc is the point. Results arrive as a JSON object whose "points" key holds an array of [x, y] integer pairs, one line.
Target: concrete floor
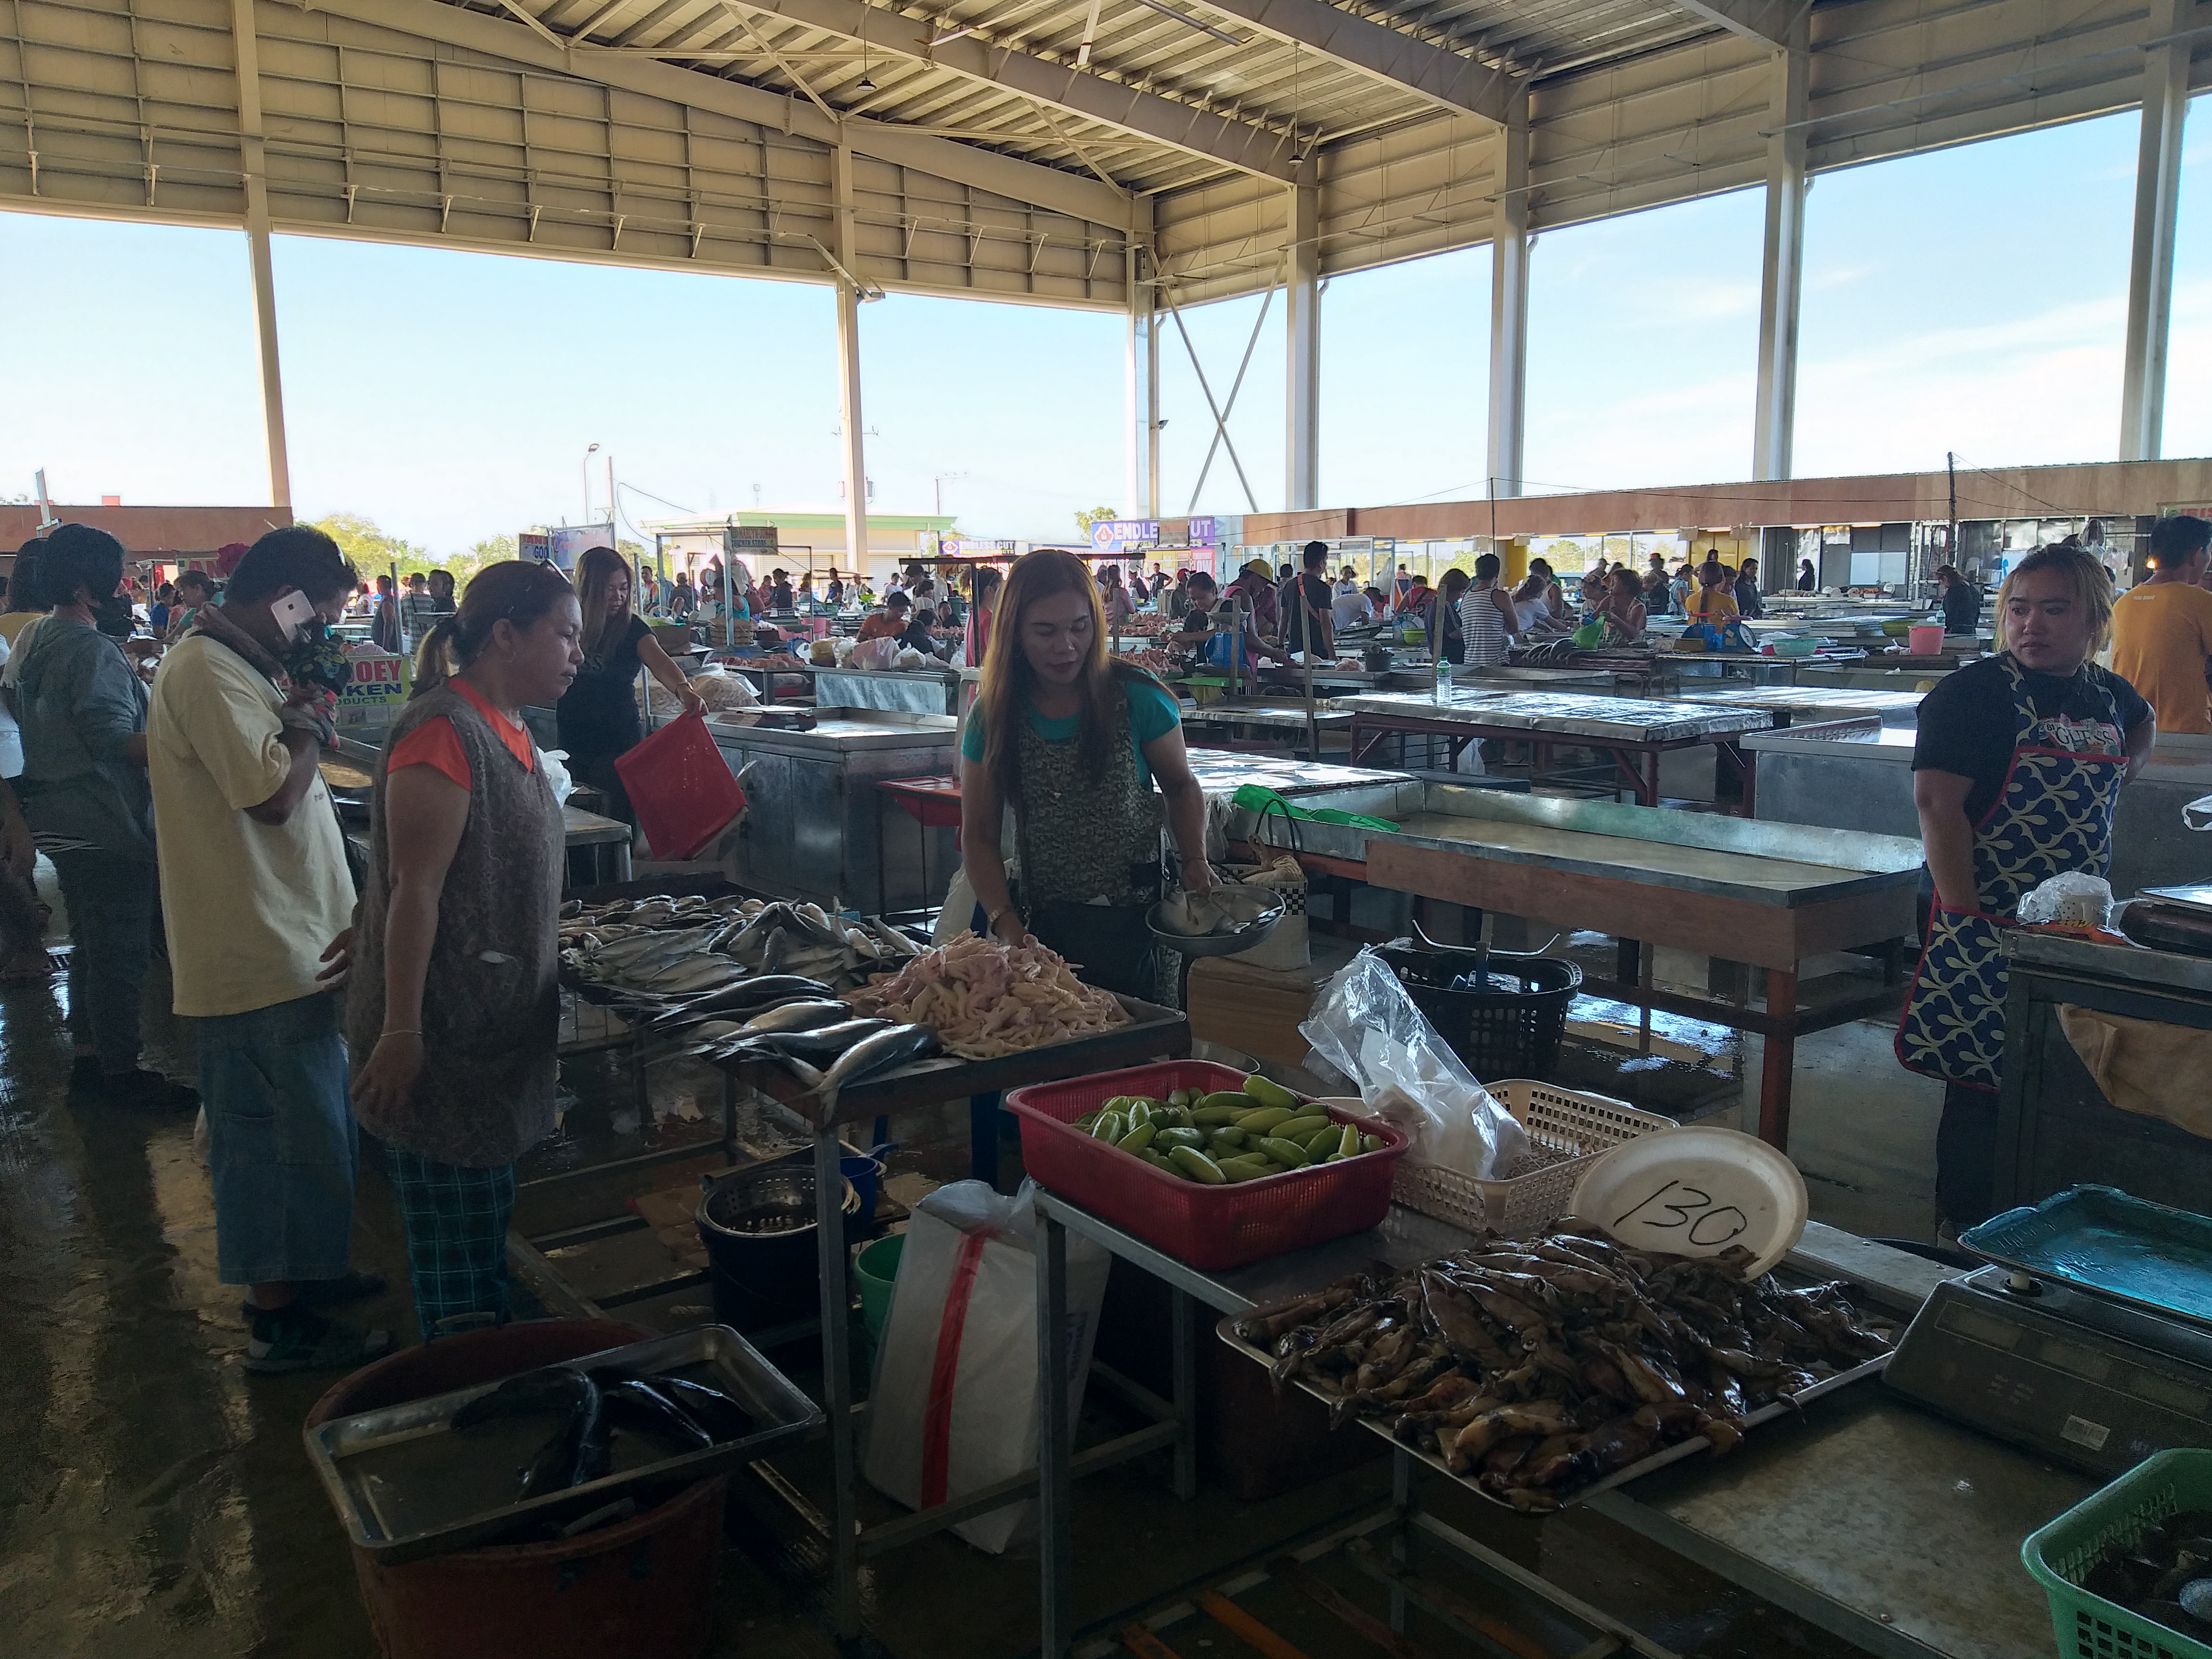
{"points": [[156, 1499]]}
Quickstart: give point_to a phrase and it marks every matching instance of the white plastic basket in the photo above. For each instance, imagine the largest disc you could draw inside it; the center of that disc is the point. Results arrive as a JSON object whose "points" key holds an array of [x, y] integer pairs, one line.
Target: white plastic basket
{"points": [[1566, 1129]]}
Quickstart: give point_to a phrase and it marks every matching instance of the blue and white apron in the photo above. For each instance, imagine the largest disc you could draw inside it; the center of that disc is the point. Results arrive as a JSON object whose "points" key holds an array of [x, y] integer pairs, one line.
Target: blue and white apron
{"points": [[2053, 815]]}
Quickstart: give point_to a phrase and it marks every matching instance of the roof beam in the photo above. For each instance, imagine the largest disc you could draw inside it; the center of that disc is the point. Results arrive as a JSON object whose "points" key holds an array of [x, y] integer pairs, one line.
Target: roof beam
{"points": [[966, 164], [1459, 85], [1236, 144], [1765, 22]]}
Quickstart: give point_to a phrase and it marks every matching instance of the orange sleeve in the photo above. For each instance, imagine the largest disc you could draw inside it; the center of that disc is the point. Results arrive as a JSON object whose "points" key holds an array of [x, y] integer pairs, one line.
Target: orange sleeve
{"points": [[433, 743]]}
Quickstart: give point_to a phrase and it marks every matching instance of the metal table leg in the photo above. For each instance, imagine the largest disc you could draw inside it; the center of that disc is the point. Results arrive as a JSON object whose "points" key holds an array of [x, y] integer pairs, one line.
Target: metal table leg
{"points": [[1185, 1394], [837, 1387], [1056, 1443]]}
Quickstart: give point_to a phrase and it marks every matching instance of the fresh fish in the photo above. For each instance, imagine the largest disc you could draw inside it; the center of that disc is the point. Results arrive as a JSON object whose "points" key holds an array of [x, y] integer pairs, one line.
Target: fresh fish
{"points": [[578, 1453], [814, 924], [818, 1047], [755, 994], [752, 940], [635, 1403], [779, 951], [711, 1409], [893, 1047], [808, 1015], [897, 943], [555, 1388]]}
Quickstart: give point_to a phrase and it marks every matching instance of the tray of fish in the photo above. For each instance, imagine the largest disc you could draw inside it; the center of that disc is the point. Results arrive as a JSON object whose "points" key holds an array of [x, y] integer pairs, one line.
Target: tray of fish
{"points": [[549, 1452], [1539, 1372], [684, 961]]}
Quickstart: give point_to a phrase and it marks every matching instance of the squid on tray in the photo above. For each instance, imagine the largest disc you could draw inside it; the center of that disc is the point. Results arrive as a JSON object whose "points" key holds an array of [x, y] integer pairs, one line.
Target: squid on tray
{"points": [[1536, 1367]]}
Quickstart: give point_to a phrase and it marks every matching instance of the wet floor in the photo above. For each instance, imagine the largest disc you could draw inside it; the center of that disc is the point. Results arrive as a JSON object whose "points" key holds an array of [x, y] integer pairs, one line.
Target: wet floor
{"points": [[154, 1499]]}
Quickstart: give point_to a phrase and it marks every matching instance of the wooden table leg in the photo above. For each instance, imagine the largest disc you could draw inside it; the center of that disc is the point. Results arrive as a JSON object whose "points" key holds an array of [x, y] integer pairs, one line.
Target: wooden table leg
{"points": [[1781, 1057]]}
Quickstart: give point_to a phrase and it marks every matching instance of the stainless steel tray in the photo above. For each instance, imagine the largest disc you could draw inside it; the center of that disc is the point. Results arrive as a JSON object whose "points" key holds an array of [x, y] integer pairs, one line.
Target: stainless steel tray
{"points": [[1659, 1460], [406, 1485]]}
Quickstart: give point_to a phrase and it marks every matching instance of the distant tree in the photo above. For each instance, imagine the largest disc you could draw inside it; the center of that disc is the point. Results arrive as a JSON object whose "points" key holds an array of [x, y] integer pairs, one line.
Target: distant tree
{"points": [[491, 550], [1090, 515], [371, 550]]}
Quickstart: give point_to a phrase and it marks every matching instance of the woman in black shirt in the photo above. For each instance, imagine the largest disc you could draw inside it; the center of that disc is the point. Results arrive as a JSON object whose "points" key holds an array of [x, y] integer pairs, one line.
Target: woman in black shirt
{"points": [[1960, 599], [599, 715]]}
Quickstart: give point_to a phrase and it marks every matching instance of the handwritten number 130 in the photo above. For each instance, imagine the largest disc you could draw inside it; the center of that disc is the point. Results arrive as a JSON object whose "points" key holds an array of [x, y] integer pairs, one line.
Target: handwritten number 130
{"points": [[1709, 1226]]}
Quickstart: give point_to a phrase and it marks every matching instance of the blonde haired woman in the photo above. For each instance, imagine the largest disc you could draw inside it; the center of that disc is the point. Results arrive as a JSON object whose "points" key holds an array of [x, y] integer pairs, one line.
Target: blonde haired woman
{"points": [[599, 715]]}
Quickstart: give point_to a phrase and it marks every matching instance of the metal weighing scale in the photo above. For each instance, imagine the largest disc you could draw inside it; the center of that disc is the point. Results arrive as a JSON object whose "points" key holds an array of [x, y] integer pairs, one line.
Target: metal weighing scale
{"points": [[2078, 1377]]}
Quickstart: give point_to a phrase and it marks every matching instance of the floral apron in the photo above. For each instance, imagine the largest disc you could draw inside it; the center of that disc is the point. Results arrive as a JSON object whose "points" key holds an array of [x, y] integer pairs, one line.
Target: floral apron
{"points": [[2053, 815]]}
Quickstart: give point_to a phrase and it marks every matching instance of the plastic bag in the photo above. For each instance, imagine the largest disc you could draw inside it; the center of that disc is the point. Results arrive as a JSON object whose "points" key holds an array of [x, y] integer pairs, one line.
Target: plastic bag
{"points": [[878, 655], [2083, 901], [1365, 1026], [954, 1407], [549, 762]]}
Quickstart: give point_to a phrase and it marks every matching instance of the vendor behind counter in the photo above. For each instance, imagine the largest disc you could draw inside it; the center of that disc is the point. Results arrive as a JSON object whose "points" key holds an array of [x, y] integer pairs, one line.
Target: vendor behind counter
{"points": [[1074, 741], [2016, 772], [598, 713]]}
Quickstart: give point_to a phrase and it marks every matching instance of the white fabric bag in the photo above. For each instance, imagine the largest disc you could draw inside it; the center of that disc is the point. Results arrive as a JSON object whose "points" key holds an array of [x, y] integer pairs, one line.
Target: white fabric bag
{"points": [[955, 1403]]}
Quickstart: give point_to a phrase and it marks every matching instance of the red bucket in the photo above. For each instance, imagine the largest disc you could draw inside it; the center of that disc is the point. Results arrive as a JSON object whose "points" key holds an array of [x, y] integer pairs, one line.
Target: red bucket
{"points": [[682, 789]]}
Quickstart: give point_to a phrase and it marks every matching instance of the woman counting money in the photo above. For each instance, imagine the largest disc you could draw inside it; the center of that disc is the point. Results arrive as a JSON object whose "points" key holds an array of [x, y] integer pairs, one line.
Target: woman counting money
{"points": [[1087, 750], [2016, 772]]}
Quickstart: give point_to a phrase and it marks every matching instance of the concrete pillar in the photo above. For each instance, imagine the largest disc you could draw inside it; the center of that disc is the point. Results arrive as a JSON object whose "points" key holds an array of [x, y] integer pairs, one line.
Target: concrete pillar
{"points": [[849, 368], [253, 164], [1782, 271], [1142, 497], [1302, 353], [1509, 300], [2150, 267]]}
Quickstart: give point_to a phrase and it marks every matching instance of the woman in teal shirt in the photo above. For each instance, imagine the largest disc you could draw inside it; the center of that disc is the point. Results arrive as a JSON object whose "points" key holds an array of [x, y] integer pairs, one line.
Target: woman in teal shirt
{"points": [[1074, 740]]}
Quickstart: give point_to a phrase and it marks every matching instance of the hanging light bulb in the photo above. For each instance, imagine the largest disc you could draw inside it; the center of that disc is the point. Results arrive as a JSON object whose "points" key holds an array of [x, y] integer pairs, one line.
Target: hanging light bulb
{"points": [[867, 81]]}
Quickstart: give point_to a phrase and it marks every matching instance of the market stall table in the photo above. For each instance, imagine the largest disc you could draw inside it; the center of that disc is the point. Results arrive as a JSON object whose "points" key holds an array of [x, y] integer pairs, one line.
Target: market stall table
{"points": [[1767, 895], [1274, 721], [933, 803], [1152, 1034], [1883, 1524], [2055, 1128], [1797, 705], [1632, 731]]}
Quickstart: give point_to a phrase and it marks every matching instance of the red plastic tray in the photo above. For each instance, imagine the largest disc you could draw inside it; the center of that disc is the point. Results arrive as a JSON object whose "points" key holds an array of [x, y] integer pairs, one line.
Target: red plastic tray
{"points": [[1209, 1227]]}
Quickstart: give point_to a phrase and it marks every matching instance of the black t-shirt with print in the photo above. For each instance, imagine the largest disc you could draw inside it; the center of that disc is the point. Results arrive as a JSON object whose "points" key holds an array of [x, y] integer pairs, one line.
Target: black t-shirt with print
{"points": [[1967, 724]]}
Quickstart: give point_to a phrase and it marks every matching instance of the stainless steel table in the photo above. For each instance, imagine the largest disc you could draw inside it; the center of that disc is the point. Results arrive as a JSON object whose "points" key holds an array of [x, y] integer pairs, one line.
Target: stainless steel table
{"points": [[1633, 733], [1868, 1517]]}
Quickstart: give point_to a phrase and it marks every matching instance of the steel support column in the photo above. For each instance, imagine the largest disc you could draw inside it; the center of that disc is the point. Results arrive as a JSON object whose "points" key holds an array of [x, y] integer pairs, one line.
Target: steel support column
{"points": [[849, 368], [1142, 497], [2150, 267], [252, 164], [1302, 353], [1509, 300], [1782, 271]]}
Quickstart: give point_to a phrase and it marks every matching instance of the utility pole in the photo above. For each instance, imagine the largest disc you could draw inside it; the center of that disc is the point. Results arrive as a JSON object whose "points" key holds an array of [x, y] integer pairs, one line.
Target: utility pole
{"points": [[586, 469], [1951, 468]]}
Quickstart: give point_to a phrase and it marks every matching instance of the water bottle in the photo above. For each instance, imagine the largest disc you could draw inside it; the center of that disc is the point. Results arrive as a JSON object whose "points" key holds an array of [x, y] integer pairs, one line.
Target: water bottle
{"points": [[1443, 681]]}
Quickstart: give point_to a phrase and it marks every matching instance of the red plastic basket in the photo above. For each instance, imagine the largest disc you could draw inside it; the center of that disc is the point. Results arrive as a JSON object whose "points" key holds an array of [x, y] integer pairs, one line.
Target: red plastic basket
{"points": [[680, 787], [1210, 1227]]}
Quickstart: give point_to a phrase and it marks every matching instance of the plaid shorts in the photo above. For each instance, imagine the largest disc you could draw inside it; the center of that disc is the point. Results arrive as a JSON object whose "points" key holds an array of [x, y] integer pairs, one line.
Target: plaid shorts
{"points": [[456, 1220]]}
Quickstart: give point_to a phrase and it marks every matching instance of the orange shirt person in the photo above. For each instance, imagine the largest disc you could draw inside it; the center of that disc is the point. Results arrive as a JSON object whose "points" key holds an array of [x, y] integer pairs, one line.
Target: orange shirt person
{"points": [[2162, 627]]}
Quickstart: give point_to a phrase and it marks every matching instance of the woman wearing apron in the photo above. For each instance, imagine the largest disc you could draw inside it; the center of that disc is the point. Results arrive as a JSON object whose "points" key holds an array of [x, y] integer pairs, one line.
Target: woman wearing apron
{"points": [[1074, 741], [2016, 772]]}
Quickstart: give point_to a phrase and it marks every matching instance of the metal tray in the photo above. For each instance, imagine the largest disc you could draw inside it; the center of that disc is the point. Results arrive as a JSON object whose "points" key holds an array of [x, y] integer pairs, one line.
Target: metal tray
{"points": [[2100, 1240], [406, 1486], [1659, 1460]]}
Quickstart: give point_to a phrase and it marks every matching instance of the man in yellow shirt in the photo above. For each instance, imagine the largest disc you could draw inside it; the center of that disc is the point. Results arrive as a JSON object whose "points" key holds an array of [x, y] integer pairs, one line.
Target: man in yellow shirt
{"points": [[2162, 627]]}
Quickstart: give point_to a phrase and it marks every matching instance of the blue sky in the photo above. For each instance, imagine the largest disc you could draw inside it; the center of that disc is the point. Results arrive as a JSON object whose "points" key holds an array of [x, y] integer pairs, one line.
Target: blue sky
{"points": [[1973, 300]]}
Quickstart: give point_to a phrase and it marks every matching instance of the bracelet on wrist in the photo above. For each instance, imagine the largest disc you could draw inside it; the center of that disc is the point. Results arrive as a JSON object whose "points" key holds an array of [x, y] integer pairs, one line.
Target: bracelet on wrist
{"points": [[415, 1032]]}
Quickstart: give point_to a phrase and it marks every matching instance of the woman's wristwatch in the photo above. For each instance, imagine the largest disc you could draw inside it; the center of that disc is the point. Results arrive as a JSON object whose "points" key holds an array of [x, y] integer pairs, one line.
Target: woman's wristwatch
{"points": [[991, 921]]}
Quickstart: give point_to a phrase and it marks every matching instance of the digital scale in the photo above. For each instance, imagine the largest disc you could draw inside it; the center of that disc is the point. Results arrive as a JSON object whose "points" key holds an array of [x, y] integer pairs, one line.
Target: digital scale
{"points": [[2081, 1378]]}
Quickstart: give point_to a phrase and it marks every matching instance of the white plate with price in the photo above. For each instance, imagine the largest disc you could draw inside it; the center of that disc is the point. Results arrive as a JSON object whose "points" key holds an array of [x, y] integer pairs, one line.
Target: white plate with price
{"points": [[1695, 1190]]}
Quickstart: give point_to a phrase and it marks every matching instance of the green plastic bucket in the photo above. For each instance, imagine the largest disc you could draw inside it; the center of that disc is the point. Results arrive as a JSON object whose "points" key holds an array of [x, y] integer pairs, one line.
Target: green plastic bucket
{"points": [[876, 1268]]}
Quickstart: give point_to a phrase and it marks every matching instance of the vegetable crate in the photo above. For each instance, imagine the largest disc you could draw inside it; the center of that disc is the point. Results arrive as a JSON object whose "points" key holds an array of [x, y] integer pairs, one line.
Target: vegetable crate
{"points": [[2060, 1554], [1211, 1228], [1566, 1129]]}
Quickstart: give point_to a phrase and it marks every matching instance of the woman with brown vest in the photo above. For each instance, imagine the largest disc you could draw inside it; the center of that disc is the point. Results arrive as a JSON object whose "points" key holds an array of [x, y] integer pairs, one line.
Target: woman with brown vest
{"points": [[453, 1006]]}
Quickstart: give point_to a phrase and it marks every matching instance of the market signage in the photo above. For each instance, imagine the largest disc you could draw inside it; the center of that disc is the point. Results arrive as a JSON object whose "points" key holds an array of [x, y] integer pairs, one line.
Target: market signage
{"points": [[375, 692], [1201, 532], [1109, 533]]}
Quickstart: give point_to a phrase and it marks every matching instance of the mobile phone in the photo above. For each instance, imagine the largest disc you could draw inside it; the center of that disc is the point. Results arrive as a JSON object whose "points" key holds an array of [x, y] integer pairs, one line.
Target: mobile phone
{"points": [[293, 611]]}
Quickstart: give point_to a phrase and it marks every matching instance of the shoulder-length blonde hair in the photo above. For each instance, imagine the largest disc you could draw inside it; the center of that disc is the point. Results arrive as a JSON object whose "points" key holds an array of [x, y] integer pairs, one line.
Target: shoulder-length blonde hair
{"points": [[1008, 678], [595, 574], [2093, 588]]}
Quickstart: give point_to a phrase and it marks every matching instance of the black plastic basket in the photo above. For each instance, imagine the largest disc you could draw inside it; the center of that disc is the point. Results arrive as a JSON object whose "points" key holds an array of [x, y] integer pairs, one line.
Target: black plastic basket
{"points": [[1498, 1033]]}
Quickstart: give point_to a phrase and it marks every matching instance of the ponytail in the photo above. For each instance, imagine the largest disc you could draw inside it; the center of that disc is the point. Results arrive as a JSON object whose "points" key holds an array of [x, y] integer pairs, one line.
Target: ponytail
{"points": [[517, 592]]}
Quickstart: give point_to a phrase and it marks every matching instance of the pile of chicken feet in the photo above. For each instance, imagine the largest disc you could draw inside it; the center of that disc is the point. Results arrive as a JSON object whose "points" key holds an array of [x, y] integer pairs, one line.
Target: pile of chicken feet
{"points": [[1536, 1367]]}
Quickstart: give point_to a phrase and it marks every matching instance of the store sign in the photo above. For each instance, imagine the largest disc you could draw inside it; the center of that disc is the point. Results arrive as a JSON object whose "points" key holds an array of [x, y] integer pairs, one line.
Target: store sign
{"points": [[376, 691], [534, 545], [971, 547], [1201, 532], [1110, 533]]}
